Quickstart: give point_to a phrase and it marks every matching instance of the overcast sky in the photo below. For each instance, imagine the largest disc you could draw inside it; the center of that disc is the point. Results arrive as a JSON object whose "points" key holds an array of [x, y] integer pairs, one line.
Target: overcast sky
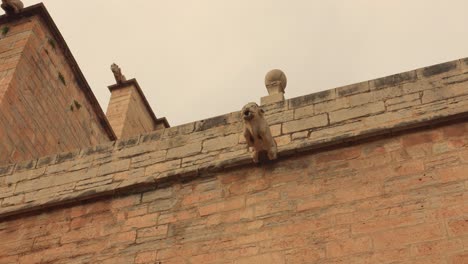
{"points": [[196, 59]]}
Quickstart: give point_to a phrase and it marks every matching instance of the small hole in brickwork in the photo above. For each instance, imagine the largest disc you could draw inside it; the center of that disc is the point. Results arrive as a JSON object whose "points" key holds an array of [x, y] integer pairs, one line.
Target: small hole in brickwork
{"points": [[5, 30], [52, 43], [61, 78], [77, 105]]}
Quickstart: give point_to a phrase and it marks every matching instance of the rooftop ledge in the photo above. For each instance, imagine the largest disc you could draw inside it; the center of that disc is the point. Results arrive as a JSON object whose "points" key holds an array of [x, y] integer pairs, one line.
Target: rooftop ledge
{"points": [[379, 107]]}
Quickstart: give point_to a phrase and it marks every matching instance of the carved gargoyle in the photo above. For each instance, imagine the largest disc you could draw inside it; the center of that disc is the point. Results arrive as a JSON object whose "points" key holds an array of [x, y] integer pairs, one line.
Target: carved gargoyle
{"points": [[257, 132], [119, 77], [12, 7]]}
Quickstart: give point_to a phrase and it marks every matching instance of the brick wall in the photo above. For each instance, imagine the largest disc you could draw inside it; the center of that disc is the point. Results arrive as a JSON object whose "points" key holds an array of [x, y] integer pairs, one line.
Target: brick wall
{"points": [[399, 199], [38, 88], [369, 173], [384, 106]]}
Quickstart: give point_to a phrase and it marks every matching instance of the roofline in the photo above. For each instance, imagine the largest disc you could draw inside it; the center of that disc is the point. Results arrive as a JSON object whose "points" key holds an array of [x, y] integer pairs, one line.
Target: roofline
{"points": [[134, 82], [41, 11]]}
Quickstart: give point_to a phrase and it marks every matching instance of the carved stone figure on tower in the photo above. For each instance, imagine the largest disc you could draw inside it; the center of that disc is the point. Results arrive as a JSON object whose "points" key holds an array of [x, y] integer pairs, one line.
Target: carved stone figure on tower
{"points": [[12, 6], [119, 77], [257, 132]]}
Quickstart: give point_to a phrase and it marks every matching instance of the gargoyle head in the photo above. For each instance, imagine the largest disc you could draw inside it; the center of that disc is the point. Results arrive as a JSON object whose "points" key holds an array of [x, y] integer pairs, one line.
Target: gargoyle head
{"points": [[251, 110], [115, 68]]}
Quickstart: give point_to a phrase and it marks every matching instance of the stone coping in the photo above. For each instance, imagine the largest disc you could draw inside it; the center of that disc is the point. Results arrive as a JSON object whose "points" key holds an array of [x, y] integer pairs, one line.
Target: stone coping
{"points": [[412, 99]]}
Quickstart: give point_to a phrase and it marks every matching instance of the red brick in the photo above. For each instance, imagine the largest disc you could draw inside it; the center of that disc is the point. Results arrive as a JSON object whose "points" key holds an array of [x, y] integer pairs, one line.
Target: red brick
{"points": [[453, 173], [458, 227], [231, 204], [342, 154], [262, 197], [458, 130], [200, 197], [156, 232], [410, 167], [275, 258], [408, 235], [385, 223], [146, 257], [123, 238], [440, 247], [306, 255], [349, 247], [141, 221], [177, 216], [316, 202], [249, 186], [420, 138], [460, 259], [225, 255]]}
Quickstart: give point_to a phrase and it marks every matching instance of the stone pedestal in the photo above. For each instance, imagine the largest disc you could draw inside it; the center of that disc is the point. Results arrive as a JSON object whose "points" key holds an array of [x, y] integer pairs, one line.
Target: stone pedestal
{"points": [[275, 82]]}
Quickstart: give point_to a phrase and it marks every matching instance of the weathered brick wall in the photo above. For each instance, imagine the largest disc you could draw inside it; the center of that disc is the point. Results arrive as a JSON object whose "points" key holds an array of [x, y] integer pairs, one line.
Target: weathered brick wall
{"points": [[353, 185], [38, 88], [398, 199], [378, 107]]}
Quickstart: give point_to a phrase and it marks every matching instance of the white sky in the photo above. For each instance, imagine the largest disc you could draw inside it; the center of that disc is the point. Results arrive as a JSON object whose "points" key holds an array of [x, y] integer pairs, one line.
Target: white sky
{"points": [[196, 59]]}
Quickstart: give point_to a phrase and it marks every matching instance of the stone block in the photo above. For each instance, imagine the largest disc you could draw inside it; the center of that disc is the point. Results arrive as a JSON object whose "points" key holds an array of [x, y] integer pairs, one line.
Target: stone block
{"points": [[352, 89], [305, 124], [304, 112], [279, 118], [148, 159], [312, 99], [359, 111], [404, 101], [275, 131], [184, 151], [162, 167], [394, 80], [271, 99], [220, 143], [114, 167], [439, 68], [442, 93], [25, 175], [153, 136], [160, 193]]}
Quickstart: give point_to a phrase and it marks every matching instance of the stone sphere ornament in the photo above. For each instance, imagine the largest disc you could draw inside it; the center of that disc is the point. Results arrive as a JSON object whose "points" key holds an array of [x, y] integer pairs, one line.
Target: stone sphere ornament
{"points": [[276, 81]]}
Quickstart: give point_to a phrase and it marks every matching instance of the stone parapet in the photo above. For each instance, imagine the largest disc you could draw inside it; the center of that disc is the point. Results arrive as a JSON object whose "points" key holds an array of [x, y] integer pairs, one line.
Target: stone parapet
{"points": [[417, 98]]}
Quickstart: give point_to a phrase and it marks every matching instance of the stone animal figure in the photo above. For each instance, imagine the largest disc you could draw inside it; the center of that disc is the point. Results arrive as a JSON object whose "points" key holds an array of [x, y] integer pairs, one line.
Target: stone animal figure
{"points": [[257, 133], [119, 77], [12, 6]]}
